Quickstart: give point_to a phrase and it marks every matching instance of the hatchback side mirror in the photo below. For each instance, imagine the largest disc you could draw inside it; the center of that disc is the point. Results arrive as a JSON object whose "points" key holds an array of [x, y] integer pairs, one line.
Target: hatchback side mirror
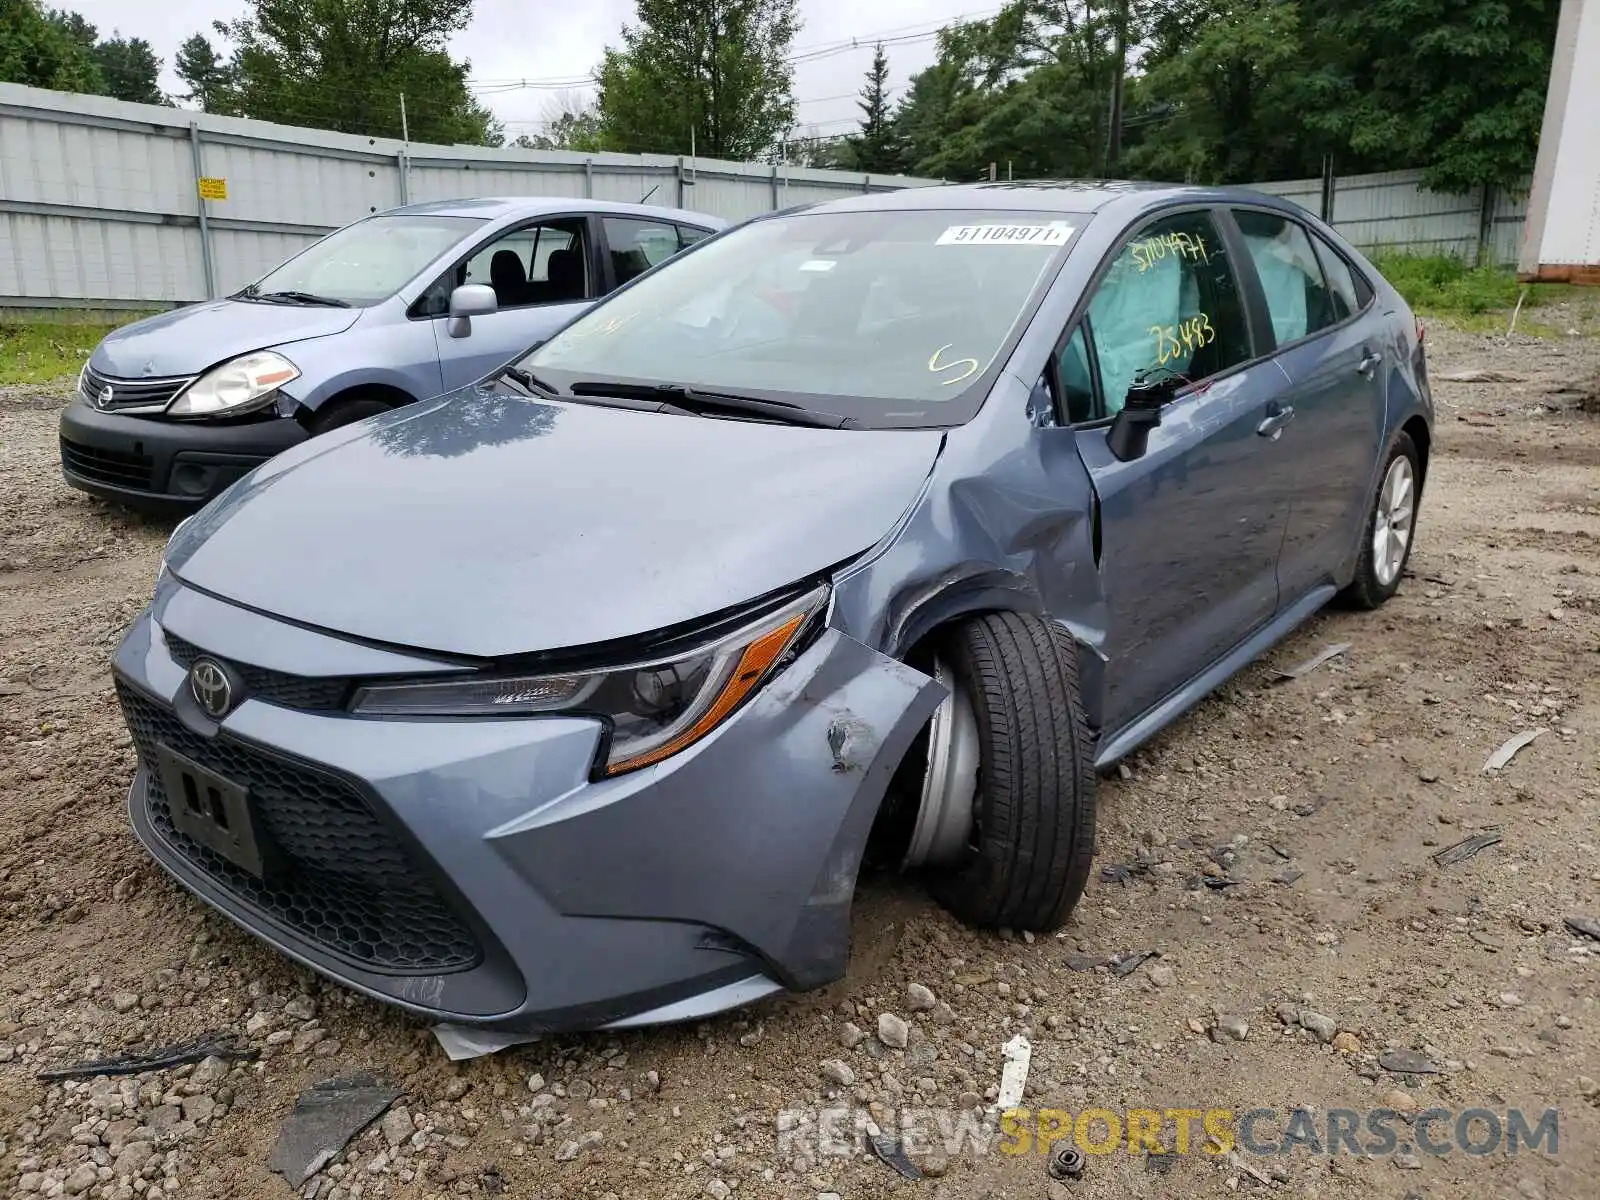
{"points": [[468, 301], [1141, 412]]}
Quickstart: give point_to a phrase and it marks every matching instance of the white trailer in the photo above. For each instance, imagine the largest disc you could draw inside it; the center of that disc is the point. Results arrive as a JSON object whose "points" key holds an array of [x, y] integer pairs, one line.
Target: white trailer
{"points": [[1561, 240]]}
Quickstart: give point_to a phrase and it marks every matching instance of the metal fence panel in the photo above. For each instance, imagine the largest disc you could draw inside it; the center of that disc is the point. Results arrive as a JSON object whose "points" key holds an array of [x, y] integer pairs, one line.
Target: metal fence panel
{"points": [[99, 199]]}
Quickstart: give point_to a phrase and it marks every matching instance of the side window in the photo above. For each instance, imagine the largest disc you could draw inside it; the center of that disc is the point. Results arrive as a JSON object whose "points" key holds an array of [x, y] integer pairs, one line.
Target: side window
{"points": [[636, 246], [688, 235], [1341, 283], [1298, 299], [1077, 383], [1169, 303], [537, 264]]}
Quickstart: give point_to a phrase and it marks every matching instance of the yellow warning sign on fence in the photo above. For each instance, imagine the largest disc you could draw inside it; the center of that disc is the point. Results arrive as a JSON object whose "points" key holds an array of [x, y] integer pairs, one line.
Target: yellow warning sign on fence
{"points": [[213, 189]]}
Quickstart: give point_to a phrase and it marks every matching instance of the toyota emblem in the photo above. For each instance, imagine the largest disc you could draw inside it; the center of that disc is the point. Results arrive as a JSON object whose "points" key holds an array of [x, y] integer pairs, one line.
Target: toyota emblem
{"points": [[211, 688], [103, 400]]}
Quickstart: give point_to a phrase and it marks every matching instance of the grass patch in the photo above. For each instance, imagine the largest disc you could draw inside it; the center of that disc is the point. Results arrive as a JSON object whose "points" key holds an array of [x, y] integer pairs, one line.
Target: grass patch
{"points": [[48, 351], [1444, 286]]}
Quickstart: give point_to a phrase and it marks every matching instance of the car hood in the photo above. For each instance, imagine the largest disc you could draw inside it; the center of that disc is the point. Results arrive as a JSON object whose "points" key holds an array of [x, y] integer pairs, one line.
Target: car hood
{"points": [[488, 524], [188, 340]]}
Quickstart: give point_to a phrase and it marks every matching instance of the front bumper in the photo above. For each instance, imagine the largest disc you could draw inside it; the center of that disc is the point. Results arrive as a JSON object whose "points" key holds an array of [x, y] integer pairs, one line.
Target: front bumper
{"points": [[469, 871], [151, 463]]}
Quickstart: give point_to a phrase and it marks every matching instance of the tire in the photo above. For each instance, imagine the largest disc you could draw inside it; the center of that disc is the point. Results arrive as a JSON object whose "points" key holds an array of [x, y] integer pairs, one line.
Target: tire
{"points": [[1373, 584], [344, 412], [1032, 842]]}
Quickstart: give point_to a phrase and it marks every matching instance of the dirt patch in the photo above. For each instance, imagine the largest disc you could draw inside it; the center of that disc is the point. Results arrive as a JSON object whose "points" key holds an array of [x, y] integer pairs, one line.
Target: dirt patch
{"points": [[1278, 850]]}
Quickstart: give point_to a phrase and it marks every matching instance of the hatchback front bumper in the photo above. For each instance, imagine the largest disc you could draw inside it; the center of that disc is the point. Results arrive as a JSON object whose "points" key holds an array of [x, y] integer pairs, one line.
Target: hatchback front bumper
{"points": [[161, 465], [471, 871]]}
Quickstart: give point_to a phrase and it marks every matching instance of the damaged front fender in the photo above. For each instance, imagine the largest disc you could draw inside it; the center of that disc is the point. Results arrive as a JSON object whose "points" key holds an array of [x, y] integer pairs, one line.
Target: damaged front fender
{"points": [[758, 830]]}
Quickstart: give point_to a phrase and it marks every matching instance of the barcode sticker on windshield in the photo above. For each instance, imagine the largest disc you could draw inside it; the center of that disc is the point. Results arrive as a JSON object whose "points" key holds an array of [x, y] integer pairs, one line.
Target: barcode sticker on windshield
{"points": [[1054, 234]]}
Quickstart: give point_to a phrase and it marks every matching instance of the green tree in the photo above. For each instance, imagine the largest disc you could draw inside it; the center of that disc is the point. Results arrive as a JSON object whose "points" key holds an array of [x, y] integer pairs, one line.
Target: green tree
{"points": [[570, 122], [1454, 86], [877, 147], [211, 80], [40, 51], [707, 76], [344, 65], [130, 69]]}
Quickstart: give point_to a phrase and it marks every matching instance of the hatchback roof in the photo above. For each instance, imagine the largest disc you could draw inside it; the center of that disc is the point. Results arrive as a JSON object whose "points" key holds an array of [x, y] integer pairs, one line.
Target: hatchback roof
{"points": [[494, 208]]}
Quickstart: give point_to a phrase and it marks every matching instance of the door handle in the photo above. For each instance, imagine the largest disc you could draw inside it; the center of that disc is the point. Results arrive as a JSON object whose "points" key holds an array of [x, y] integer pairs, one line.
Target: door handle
{"points": [[1278, 415], [1368, 363]]}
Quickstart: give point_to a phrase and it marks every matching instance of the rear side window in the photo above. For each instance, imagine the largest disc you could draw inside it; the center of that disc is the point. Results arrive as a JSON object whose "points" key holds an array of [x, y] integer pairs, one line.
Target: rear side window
{"points": [[1298, 299], [636, 246], [1168, 303], [1341, 282], [688, 235]]}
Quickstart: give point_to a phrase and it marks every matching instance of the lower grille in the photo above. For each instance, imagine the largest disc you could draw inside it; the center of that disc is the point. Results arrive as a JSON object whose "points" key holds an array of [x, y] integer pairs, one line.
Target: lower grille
{"points": [[274, 687], [107, 466], [346, 882]]}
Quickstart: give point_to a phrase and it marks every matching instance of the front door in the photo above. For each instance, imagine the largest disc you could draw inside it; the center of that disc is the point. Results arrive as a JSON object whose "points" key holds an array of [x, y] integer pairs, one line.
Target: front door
{"points": [[542, 274], [1333, 362], [1190, 529]]}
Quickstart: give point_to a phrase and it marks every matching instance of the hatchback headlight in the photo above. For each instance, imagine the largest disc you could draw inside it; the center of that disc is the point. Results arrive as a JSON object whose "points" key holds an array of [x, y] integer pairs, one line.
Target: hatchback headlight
{"points": [[655, 708], [238, 385]]}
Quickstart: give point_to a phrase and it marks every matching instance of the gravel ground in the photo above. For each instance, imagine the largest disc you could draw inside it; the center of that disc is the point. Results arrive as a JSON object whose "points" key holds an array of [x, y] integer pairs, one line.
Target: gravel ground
{"points": [[1316, 805]]}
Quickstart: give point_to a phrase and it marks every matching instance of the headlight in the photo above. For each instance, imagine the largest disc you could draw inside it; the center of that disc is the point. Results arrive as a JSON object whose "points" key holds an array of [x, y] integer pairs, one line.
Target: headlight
{"points": [[655, 708], [243, 383]]}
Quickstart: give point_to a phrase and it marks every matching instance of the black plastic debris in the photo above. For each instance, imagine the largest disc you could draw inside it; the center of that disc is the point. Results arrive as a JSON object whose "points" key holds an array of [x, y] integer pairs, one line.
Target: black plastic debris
{"points": [[1116, 873], [492, 1181], [1065, 1162], [1084, 962], [216, 1044], [1160, 1162], [1215, 882], [1127, 964], [1466, 848], [887, 1149], [326, 1116], [1408, 1062], [1587, 926]]}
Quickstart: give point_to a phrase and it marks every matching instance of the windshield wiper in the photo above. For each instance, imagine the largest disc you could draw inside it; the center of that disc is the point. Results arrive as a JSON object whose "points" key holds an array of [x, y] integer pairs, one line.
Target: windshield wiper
{"points": [[530, 382], [298, 298], [697, 400]]}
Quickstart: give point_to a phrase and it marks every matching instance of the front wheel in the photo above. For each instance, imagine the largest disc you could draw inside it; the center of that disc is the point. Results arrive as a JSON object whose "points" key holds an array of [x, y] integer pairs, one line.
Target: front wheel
{"points": [[1013, 744], [345, 411], [1390, 529]]}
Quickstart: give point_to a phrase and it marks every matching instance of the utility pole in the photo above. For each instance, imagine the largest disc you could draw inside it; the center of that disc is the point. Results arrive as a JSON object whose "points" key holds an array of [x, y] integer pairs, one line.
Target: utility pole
{"points": [[405, 129], [1114, 133]]}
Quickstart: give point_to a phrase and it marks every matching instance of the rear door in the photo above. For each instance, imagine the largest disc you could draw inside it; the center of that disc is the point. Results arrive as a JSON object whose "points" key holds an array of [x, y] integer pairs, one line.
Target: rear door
{"points": [[543, 274], [1189, 530], [1326, 340]]}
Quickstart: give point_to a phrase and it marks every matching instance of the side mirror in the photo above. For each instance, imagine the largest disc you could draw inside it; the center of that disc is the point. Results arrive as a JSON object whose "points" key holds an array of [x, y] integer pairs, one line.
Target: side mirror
{"points": [[1141, 412], [468, 301]]}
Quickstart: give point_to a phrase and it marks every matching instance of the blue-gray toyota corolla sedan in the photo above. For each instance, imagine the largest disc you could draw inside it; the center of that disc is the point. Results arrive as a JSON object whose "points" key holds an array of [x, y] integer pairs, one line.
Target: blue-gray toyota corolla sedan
{"points": [[861, 532]]}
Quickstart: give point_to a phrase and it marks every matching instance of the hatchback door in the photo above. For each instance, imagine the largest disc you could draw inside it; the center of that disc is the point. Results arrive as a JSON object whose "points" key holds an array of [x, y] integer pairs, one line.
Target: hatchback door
{"points": [[1190, 529], [1330, 346], [543, 274]]}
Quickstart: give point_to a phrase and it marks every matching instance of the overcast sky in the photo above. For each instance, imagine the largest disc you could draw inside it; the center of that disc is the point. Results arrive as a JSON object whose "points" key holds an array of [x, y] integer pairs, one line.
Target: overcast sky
{"points": [[548, 43]]}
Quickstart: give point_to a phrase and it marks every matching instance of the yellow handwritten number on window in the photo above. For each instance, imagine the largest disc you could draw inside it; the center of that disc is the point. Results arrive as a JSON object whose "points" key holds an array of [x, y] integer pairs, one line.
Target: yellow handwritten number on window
{"points": [[937, 367], [1180, 341]]}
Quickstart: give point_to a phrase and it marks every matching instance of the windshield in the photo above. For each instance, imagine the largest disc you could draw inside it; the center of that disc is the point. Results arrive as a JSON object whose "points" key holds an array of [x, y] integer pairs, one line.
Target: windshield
{"points": [[889, 316], [367, 262]]}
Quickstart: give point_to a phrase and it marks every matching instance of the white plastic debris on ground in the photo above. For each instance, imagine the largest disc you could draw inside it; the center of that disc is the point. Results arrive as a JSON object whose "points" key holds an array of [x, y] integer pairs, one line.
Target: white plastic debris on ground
{"points": [[1014, 1075], [462, 1042]]}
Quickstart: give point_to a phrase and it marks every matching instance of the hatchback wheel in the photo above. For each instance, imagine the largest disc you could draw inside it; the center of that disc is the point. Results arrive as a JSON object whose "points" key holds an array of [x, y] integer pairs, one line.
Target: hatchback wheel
{"points": [[1391, 526], [344, 412], [1006, 821]]}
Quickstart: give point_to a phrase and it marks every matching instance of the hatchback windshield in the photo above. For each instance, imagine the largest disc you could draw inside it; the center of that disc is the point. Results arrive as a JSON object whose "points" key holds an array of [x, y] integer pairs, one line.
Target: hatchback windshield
{"points": [[367, 262], [862, 308]]}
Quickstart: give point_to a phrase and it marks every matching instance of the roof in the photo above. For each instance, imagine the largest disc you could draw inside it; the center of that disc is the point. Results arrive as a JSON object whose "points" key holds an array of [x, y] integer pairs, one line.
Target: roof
{"points": [[495, 208], [1033, 195]]}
